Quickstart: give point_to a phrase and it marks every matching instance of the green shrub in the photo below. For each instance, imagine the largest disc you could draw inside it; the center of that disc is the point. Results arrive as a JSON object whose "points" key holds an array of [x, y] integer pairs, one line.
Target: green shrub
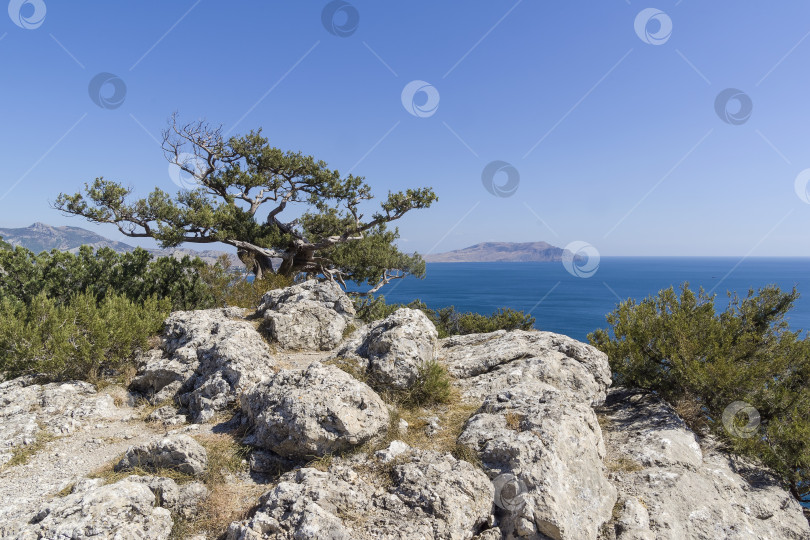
{"points": [[136, 275], [679, 346], [232, 288], [80, 338], [432, 387], [448, 321]]}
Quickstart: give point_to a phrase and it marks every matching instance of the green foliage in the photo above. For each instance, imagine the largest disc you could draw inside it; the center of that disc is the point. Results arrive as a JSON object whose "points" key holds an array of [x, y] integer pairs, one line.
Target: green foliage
{"points": [[448, 321], [79, 338], [136, 275], [327, 235], [229, 288], [432, 387], [679, 346]]}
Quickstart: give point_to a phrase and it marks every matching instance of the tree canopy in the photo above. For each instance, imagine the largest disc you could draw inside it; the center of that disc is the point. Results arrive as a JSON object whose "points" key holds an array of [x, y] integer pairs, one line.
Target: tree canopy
{"points": [[243, 187]]}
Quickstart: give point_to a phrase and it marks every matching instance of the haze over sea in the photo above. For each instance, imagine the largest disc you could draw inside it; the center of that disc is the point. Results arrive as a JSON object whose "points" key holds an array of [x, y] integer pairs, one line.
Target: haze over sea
{"points": [[575, 306]]}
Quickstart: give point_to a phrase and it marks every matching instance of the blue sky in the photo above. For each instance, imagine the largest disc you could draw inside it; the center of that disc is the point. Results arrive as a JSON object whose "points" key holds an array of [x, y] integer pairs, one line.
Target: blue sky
{"points": [[617, 141]]}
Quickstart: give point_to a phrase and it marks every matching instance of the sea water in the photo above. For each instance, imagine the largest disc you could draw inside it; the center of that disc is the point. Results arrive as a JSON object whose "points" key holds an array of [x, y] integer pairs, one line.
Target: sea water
{"points": [[571, 305]]}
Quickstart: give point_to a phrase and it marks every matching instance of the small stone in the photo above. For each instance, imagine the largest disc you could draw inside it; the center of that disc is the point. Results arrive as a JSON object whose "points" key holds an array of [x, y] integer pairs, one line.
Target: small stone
{"points": [[394, 450]]}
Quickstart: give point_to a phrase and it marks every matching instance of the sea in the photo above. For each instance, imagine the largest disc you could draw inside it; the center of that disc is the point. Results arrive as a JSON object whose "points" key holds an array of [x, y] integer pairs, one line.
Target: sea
{"points": [[575, 306]]}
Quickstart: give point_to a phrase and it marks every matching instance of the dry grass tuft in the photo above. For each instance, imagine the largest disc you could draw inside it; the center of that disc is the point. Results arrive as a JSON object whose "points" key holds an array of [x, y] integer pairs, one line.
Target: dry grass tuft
{"points": [[65, 491], [690, 410], [225, 504], [513, 420], [146, 408], [108, 473], [20, 455], [623, 464], [226, 456], [350, 367]]}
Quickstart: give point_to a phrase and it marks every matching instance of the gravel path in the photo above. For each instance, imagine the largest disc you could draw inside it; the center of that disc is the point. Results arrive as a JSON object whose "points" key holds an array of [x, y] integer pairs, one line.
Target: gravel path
{"points": [[65, 460]]}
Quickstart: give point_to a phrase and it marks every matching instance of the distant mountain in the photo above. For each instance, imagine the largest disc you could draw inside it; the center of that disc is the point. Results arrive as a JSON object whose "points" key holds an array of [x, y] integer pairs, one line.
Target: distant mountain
{"points": [[501, 252], [42, 237]]}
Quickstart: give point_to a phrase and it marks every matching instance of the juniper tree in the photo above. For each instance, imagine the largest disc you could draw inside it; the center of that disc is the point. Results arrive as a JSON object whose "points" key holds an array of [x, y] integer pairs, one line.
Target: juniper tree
{"points": [[267, 203]]}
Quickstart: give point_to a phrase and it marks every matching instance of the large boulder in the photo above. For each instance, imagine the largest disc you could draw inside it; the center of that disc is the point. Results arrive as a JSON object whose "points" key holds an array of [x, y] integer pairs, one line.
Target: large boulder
{"points": [[176, 452], [551, 451], [312, 315], [322, 410], [487, 363], [421, 495], [26, 409], [121, 510], [207, 358], [673, 485], [392, 350], [536, 433]]}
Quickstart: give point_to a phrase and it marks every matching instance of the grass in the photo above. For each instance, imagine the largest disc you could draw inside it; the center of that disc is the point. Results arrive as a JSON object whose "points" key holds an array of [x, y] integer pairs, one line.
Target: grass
{"points": [[433, 385], [433, 394], [65, 491], [513, 420], [350, 367], [147, 408], [623, 464], [108, 473], [227, 501], [20, 455], [349, 330]]}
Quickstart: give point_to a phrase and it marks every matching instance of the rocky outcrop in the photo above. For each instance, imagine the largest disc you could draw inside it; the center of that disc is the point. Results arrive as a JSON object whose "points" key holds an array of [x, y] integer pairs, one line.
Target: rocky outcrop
{"points": [[27, 410], [176, 452], [318, 411], [536, 433], [312, 315], [391, 351], [671, 487], [546, 466], [421, 494], [121, 510], [208, 357]]}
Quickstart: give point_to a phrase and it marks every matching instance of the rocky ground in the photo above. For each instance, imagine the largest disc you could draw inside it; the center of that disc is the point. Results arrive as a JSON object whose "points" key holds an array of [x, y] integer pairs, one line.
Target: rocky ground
{"points": [[289, 422]]}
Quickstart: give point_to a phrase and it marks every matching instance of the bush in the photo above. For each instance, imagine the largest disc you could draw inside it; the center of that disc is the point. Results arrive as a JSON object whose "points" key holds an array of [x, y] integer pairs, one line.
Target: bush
{"points": [[77, 339], [448, 321], [136, 275], [188, 283], [680, 347], [433, 386], [232, 288]]}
